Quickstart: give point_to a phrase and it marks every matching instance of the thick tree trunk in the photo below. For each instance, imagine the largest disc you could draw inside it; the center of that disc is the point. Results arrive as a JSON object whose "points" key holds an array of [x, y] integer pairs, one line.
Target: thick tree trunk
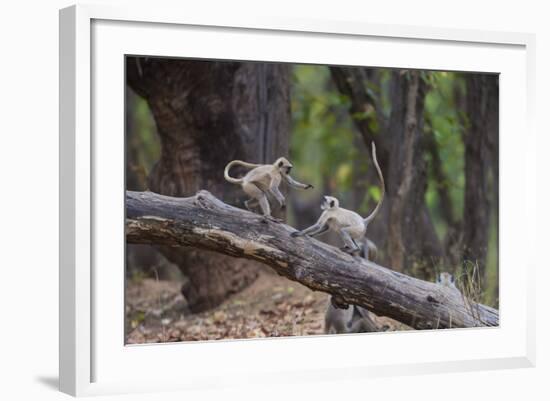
{"points": [[481, 151], [207, 114], [205, 222]]}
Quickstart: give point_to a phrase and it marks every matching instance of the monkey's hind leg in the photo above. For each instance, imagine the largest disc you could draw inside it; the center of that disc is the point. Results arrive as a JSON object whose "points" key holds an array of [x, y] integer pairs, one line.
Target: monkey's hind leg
{"points": [[264, 205], [369, 251], [257, 196], [350, 246], [251, 204]]}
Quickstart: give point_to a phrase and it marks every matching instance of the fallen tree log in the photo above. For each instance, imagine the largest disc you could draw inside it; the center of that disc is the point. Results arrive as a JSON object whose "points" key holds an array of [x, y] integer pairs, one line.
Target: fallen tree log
{"points": [[204, 221]]}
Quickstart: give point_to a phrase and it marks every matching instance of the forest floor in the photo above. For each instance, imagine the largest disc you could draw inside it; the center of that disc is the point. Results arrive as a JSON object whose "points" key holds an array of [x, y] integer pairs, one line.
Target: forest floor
{"points": [[272, 306]]}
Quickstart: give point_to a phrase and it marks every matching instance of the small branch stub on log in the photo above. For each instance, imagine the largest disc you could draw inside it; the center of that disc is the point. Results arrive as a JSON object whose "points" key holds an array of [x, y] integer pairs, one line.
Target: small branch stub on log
{"points": [[204, 221]]}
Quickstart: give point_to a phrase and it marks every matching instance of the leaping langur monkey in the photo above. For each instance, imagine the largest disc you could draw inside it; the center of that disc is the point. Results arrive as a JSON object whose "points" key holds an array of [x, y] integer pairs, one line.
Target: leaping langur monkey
{"points": [[351, 227], [264, 179]]}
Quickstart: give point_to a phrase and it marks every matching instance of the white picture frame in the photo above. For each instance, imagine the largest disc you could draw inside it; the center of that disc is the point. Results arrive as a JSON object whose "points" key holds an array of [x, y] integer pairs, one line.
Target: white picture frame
{"points": [[93, 358]]}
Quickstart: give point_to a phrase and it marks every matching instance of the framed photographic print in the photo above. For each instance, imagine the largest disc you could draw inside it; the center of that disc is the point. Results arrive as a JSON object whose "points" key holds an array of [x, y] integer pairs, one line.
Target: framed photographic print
{"points": [[291, 199]]}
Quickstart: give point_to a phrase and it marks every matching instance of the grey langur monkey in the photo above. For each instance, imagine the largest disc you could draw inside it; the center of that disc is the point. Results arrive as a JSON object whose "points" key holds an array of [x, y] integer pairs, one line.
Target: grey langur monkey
{"points": [[369, 251], [354, 319], [447, 280], [264, 179], [351, 227]]}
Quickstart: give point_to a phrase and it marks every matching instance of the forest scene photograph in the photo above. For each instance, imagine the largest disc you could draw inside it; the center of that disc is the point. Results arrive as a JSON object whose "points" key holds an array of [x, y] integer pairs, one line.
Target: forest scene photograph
{"points": [[276, 199]]}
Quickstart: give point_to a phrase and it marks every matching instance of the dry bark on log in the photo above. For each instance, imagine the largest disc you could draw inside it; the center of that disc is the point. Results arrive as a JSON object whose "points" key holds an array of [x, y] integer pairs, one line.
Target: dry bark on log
{"points": [[204, 221]]}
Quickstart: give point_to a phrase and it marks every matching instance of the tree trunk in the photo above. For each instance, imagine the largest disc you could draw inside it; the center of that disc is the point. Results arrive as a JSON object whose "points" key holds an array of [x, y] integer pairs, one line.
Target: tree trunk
{"points": [[403, 230], [452, 240], [481, 151], [412, 241], [205, 222], [207, 114], [360, 177]]}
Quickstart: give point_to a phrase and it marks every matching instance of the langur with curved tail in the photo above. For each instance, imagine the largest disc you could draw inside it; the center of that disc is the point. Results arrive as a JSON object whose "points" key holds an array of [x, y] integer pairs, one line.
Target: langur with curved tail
{"points": [[264, 179], [351, 227]]}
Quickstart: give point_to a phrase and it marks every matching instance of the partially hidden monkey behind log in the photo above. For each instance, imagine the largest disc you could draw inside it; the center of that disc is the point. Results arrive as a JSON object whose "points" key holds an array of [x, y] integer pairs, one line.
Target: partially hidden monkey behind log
{"points": [[351, 227], [447, 280], [354, 319], [264, 179]]}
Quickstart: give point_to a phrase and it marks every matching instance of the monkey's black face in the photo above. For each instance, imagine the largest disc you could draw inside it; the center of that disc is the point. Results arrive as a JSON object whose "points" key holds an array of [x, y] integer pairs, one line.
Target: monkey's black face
{"points": [[445, 278], [288, 168], [329, 202]]}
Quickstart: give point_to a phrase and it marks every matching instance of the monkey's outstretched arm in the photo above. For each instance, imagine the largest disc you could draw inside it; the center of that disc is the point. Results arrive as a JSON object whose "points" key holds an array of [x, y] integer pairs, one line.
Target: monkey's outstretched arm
{"points": [[319, 227], [311, 231], [318, 231], [323, 229], [295, 184]]}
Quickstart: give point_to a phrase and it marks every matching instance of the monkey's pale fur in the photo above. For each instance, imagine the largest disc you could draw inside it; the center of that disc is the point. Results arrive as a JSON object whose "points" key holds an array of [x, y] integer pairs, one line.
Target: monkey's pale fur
{"points": [[351, 227], [264, 179], [447, 280], [352, 320]]}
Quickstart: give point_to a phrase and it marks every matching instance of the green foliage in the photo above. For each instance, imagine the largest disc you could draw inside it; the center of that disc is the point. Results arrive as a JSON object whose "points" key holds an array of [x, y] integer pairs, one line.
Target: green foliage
{"points": [[146, 134], [322, 139], [375, 192], [323, 145], [444, 122], [385, 81]]}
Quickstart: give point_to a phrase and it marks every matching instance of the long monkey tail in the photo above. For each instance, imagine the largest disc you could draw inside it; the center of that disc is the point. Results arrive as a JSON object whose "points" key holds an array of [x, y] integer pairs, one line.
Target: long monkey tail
{"points": [[377, 208], [231, 164]]}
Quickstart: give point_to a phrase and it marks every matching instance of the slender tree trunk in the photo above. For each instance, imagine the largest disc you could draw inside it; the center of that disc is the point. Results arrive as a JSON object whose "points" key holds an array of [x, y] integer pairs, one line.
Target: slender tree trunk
{"points": [[481, 152], [360, 176], [403, 230], [413, 243], [364, 108], [207, 114], [453, 236], [493, 132], [405, 125]]}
